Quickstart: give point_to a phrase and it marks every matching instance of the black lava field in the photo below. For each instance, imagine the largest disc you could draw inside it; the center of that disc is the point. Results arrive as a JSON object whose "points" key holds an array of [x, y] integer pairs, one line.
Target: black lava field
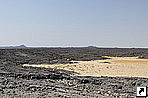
{"points": [[17, 81]]}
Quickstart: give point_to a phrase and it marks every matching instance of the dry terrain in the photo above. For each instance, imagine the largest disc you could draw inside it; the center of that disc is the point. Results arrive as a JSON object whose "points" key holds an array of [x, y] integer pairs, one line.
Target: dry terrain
{"points": [[115, 66], [17, 81]]}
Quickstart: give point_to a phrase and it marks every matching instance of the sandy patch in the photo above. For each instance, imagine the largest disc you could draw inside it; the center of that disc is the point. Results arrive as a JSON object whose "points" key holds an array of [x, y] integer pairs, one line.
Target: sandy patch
{"points": [[116, 66]]}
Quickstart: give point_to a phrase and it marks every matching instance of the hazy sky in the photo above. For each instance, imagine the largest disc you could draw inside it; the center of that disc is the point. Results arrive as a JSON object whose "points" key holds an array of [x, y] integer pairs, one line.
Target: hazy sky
{"points": [[121, 23]]}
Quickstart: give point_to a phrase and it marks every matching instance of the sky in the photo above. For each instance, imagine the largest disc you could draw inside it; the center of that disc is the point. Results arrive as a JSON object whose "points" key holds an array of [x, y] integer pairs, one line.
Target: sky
{"points": [[107, 23]]}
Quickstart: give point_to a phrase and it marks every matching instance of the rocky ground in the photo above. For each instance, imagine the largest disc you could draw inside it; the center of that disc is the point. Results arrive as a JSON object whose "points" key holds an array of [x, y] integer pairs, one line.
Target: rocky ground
{"points": [[28, 82]]}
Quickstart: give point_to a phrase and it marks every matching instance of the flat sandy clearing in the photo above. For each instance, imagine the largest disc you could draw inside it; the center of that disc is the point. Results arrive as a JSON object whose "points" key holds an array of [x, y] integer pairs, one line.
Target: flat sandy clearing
{"points": [[116, 66]]}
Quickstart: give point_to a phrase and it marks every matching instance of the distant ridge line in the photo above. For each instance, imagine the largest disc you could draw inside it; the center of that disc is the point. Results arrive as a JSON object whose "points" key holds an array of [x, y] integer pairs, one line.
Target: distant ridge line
{"points": [[88, 47]]}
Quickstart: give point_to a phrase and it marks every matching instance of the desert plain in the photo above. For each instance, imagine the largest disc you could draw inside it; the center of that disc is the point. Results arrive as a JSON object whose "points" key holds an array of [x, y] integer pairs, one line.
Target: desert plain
{"points": [[114, 66], [72, 72]]}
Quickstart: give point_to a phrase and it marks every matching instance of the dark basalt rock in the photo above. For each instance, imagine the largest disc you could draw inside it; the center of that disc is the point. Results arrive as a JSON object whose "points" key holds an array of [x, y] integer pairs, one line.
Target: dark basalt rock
{"points": [[85, 81], [28, 82]]}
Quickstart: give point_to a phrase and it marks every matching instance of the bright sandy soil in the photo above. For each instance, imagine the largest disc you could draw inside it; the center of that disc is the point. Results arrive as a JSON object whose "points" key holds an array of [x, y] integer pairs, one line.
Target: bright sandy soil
{"points": [[117, 66]]}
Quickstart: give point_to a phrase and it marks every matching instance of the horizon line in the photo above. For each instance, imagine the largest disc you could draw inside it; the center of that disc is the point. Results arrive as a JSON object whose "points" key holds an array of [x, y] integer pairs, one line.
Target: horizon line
{"points": [[71, 46]]}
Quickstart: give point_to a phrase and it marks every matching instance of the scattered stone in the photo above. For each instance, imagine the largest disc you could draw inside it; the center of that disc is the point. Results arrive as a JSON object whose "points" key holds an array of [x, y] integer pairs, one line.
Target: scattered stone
{"points": [[30, 82]]}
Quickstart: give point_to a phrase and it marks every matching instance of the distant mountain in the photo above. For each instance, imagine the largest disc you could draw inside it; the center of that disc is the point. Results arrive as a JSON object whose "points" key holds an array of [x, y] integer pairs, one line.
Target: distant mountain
{"points": [[14, 47], [92, 47], [21, 46], [24, 47]]}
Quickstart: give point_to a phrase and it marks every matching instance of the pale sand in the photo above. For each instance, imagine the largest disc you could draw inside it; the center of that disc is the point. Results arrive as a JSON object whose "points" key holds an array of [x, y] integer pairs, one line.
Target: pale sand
{"points": [[117, 66]]}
